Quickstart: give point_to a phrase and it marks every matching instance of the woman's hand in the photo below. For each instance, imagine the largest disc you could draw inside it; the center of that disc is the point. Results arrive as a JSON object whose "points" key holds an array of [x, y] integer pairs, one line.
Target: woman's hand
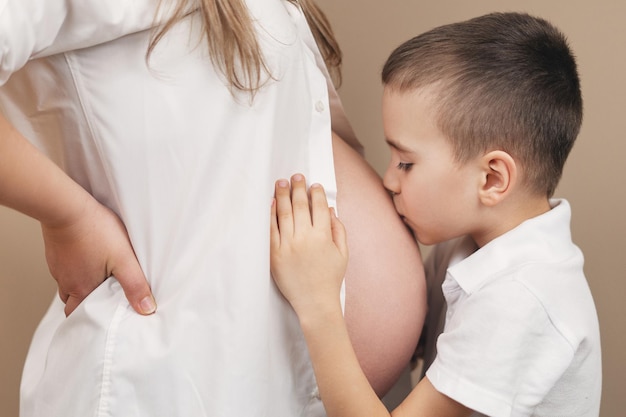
{"points": [[308, 247], [85, 251], [85, 242]]}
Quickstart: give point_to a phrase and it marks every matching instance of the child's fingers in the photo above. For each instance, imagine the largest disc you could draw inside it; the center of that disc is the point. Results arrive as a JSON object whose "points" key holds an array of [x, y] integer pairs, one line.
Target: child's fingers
{"points": [[282, 209], [319, 207], [274, 231], [300, 203], [339, 233]]}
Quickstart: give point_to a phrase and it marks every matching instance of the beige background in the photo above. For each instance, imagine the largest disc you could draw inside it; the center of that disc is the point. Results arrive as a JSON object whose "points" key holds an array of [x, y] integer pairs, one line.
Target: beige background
{"points": [[368, 30]]}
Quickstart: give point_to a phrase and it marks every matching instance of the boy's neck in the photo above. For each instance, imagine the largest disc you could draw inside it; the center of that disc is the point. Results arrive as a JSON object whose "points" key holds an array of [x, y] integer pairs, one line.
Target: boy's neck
{"points": [[508, 215]]}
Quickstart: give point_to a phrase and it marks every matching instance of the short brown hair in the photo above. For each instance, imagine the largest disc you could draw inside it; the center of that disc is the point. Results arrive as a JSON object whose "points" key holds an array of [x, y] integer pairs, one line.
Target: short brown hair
{"points": [[503, 81]]}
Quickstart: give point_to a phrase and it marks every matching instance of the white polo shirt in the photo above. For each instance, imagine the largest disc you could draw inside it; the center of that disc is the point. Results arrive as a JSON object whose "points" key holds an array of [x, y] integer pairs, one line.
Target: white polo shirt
{"points": [[521, 335], [190, 170]]}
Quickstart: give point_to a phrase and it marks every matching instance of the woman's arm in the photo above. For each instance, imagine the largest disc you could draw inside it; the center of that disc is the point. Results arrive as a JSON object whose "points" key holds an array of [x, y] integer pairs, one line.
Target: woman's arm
{"points": [[84, 241], [308, 260]]}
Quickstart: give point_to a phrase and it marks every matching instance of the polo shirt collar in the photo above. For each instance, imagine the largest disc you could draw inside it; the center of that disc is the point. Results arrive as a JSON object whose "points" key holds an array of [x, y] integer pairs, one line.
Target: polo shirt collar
{"points": [[538, 239]]}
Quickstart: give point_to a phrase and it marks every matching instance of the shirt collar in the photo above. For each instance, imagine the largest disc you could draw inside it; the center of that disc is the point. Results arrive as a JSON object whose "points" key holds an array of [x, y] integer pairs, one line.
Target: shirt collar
{"points": [[538, 239]]}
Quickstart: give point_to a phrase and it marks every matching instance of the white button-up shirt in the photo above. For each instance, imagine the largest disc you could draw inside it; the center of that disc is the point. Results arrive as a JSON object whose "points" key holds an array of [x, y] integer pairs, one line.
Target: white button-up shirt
{"points": [[190, 168], [521, 335]]}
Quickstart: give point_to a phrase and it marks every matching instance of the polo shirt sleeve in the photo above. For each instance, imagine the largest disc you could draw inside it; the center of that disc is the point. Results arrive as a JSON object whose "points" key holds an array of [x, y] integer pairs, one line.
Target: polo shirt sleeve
{"points": [[36, 28], [500, 353]]}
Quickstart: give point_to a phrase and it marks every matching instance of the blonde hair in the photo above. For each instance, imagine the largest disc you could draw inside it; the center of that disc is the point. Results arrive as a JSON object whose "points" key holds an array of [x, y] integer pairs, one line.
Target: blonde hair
{"points": [[232, 43]]}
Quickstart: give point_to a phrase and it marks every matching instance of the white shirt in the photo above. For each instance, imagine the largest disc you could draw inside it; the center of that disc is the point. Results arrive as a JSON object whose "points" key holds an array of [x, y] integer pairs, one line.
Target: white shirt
{"points": [[190, 170], [521, 335]]}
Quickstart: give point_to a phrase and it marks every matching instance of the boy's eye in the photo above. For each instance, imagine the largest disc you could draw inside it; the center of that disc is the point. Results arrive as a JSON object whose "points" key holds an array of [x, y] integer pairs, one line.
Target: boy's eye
{"points": [[404, 166]]}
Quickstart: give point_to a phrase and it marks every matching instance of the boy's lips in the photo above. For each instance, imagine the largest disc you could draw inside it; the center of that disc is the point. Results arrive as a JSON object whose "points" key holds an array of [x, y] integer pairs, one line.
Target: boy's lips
{"points": [[407, 224], [404, 219]]}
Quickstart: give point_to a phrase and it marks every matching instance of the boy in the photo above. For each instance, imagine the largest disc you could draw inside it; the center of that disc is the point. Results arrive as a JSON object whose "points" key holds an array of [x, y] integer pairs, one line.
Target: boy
{"points": [[480, 117]]}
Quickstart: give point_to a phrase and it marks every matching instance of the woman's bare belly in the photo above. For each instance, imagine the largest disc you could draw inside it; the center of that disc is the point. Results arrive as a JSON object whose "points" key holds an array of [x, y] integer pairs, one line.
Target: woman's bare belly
{"points": [[385, 287]]}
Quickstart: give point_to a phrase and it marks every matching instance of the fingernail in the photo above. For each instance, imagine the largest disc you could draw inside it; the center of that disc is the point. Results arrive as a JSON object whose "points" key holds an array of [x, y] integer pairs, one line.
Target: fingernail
{"points": [[147, 305], [316, 185], [282, 183], [297, 177]]}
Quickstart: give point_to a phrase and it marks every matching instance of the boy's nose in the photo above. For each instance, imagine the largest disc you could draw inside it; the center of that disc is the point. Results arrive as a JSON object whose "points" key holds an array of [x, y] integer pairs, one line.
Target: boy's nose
{"points": [[390, 183]]}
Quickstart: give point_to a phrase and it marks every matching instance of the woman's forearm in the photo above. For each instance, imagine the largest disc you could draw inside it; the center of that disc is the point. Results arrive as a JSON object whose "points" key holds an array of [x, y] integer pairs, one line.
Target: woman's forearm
{"points": [[32, 184], [85, 242]]}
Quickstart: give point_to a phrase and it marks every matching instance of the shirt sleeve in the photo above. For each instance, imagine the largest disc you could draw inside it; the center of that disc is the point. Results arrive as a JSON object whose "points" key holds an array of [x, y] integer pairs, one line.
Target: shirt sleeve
{"points": [[36, 28], [499, 354]]}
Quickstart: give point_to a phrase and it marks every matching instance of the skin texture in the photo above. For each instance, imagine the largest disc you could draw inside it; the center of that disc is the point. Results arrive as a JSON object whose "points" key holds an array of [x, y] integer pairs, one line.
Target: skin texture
{"points": [[431, 192], [385, 289], [309, 254], [440, 198]]}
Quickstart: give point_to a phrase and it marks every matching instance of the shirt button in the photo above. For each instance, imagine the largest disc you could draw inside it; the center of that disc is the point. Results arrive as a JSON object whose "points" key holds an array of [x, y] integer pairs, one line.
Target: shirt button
{"points": [[316, 393], [319, 106]]}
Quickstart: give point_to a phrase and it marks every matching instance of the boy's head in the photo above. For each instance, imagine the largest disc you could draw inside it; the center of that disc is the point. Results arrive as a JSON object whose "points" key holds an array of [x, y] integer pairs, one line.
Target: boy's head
{"points": [[504, 81]]}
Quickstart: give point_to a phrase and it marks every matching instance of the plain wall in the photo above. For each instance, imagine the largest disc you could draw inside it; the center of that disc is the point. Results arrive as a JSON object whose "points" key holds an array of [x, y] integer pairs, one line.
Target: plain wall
{"points": [[368, 30]]}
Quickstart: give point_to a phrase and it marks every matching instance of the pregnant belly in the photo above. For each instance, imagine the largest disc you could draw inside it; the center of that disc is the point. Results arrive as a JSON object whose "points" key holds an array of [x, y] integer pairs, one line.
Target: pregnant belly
{"points": [[385, 287]]}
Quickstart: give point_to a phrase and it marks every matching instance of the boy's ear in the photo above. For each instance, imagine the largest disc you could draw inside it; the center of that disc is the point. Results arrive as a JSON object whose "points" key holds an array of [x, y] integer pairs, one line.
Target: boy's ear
{"points": [[499, 177]]}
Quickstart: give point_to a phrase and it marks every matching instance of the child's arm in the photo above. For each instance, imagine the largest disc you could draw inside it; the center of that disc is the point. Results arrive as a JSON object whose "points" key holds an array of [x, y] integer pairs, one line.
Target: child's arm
{"points": [[84, 241], [308, 260]]}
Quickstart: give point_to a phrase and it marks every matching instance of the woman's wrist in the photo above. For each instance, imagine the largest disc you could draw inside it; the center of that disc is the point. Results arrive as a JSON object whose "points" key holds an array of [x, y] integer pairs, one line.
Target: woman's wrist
{"points": [[72, 204], [34, 185]]}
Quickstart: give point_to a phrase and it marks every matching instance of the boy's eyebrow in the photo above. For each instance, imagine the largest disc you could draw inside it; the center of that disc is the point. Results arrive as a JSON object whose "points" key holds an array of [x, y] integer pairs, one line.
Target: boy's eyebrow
{"points": [[396, 145]]}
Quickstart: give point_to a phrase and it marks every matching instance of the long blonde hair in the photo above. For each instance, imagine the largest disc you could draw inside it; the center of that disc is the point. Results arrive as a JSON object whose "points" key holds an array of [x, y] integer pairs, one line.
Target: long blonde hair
{"points": [[232, 42]]}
